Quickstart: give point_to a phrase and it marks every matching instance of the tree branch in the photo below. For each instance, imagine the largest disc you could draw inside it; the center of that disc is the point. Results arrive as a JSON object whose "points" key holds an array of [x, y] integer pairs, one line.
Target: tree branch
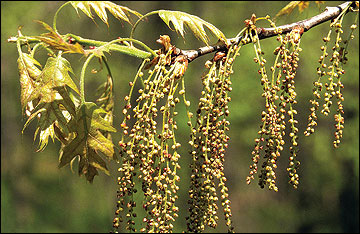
{"points": [[263, 33]]}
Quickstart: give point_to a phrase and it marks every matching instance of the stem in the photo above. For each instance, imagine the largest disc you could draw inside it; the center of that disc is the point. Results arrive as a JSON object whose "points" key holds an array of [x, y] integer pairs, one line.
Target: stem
{"points": [[263, 33], [111, 78], [136, 41], [107, 67], [137, 22], [82, 79], [120, 48], [34, 49], [56, 14]]}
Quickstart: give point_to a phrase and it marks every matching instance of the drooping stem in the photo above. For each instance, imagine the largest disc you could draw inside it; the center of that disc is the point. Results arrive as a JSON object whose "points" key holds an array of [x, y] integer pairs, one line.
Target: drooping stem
{"points": [[56, 14], [107, 67], [82, 79], [139, 20]]}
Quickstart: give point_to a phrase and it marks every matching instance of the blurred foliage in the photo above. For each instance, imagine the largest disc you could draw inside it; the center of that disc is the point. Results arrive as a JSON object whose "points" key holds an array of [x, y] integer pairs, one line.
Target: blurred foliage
{"points": [[38, 197]]}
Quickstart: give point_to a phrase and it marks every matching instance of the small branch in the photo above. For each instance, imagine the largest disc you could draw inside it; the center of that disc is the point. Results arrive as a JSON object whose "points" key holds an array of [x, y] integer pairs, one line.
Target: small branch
{"points": [[328, 14], [193, 54], [129, 50], [263, 33]]}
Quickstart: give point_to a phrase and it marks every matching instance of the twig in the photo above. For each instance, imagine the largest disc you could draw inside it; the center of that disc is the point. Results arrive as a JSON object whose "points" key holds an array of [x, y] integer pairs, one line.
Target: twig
{"points": [[263, 33]]}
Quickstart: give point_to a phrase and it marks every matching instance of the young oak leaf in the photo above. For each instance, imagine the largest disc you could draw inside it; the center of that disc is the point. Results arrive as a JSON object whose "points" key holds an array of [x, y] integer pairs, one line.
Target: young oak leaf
{"points": [[55, 114], [89, 166], [89, 142], [53, 103], [54, 74], [55, 40], [39, 84], [28, 77], [119, 12], [302, 5], [195, 23]]}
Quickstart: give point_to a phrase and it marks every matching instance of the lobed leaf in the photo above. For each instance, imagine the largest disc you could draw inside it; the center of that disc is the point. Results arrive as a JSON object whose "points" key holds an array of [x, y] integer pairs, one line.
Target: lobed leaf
{"points": [[89, 141], [53, 115], [45, 92], [28, 77], [55, 40], [56, 73], [195, 23], [302, 5], [99, 7]]}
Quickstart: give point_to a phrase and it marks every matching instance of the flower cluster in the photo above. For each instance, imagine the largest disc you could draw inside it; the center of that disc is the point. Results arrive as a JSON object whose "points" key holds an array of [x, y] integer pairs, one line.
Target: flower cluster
{"points": [[209, 142], [333, 85], [149, 146], [280, 95]]}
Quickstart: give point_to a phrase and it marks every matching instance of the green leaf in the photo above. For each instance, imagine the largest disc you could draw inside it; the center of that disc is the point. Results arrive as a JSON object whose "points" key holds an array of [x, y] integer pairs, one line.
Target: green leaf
{"points": [[56, 41], [54, 74], [119, 12], [28, 77], [39, 84], [195, 23], [55, 114], [53, 104], [89, 142]]}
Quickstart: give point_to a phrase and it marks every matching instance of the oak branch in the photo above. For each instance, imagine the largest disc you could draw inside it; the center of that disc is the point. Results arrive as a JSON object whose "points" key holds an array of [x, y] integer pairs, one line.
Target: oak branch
{"points": [[263, 33]]}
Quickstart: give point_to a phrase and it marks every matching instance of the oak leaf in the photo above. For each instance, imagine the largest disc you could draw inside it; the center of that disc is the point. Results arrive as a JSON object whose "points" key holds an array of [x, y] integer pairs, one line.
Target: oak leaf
{"points": [[48, 97], [56, 41], [89, 142], [119, 12], [302, 5], [195, 23], [54, 114], [29, 73]]}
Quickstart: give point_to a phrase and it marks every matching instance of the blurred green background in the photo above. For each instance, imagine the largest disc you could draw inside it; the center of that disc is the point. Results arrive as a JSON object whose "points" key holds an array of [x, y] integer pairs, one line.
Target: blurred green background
{"points": [[38, 197]]}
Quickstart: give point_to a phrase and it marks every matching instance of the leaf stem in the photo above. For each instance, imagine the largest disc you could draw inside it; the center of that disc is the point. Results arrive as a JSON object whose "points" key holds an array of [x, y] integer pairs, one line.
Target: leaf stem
{"points": [[129, 50], [82, 79], [107, 67], [131, 47], [56, 14], [139, 20]]}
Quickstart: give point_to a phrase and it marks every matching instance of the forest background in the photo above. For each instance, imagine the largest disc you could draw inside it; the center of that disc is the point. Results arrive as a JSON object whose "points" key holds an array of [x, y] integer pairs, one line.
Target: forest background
{"points": [[38, 197]]}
